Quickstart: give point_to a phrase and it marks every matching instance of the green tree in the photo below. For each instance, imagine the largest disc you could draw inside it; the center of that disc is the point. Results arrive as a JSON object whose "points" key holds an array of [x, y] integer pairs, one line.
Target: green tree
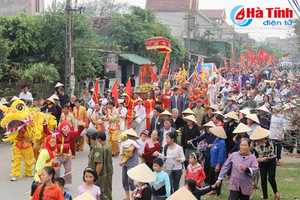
{"points": [[104, 7], [131, 30], [40, 78]]}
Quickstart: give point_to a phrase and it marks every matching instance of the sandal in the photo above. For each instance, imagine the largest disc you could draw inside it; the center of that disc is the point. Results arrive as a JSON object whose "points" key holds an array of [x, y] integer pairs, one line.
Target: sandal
{"points": [[298, 156], [277, 197]]}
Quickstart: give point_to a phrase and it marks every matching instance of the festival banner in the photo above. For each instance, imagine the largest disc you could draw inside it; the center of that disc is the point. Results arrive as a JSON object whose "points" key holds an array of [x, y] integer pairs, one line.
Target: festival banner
{"points": [[95, 95], [198, 69], [165, 67]]}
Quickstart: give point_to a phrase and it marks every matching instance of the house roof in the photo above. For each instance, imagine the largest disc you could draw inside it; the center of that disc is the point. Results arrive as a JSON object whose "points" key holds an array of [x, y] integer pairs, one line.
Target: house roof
{"points": [[214, 14], [171, 5], [139, 60], [101, 22]]}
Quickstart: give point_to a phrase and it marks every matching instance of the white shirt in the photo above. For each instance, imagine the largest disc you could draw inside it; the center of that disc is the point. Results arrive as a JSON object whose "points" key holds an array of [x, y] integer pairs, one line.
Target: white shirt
{"points": [[140, 111], [126, 144], [26, 96], [142, 145], [122, 111], [225, 89], [259, 98], [177, 152], [276, 126], [164, 137]]}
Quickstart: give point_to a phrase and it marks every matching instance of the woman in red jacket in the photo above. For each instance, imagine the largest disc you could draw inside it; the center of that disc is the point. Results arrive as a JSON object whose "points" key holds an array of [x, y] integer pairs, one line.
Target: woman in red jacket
{"points": [[195, 170], [152, 145]]}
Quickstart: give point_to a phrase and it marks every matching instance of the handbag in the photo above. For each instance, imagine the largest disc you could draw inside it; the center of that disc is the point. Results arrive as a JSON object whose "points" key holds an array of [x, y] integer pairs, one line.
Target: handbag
{"points": [[167, 167]]}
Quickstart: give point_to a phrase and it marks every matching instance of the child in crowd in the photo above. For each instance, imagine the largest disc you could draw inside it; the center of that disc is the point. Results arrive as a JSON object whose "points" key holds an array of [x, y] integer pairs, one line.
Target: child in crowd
{"points": [[140, 111], [48, 189], [195, 170], [142, 143], [161, 187], [190, 184], [89, 177], [61, 184], [125, 144]]}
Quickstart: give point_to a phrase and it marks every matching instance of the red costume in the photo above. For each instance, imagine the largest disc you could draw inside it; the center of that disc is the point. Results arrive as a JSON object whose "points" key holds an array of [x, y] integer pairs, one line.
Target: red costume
{"points": [[63, 140], [130, 103], [149, 105], [166, 100]]}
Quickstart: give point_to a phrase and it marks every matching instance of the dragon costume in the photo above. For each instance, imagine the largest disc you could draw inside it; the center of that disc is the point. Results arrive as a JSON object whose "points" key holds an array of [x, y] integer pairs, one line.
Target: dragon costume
{"points": [[23, 127]]}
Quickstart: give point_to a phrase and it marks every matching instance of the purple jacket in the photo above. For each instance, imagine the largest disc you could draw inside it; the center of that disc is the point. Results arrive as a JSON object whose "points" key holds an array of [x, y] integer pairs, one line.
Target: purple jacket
{"points": [[239, 178]]}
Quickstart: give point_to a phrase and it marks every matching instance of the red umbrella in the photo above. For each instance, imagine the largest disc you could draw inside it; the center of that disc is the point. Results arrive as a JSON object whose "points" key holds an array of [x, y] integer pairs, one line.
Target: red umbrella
{"points": [[162, 44]]}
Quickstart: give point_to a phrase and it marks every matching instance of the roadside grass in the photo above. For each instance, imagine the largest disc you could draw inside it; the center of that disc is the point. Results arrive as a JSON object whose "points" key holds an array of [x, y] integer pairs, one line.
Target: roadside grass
{"points": [[288, 184]]}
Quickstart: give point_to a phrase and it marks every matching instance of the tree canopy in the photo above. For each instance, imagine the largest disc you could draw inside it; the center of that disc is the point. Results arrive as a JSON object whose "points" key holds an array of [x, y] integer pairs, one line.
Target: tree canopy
{"points": [[132, 29], [42, 39]]}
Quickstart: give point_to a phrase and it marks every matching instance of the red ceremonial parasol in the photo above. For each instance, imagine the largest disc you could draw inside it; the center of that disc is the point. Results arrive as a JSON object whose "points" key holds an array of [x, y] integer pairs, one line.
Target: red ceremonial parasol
{"points": [[162, 44]]}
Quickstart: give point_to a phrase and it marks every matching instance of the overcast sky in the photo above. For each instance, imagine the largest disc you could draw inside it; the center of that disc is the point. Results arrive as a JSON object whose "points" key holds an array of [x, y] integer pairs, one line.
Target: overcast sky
{"points": [[256, 29]]}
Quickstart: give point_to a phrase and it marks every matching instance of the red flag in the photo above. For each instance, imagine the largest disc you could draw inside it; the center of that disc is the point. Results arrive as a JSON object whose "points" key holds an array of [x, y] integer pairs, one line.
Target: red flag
{"points": [[42, 101], [114, 92], [165, 67], [128, 92], [95, 96]]}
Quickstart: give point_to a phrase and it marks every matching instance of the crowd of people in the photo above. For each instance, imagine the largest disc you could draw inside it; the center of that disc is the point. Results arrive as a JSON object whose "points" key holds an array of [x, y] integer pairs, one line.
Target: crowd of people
{"points": [[205, 132]]}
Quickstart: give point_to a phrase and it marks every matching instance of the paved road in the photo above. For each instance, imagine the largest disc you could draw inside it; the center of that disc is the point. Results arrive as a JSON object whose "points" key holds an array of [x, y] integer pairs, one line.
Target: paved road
{"points": [[15, 190]]}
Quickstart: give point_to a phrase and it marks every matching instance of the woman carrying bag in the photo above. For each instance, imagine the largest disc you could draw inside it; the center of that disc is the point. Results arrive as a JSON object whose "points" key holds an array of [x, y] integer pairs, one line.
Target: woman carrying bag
{"points": [[264, 151], [173, 156]]}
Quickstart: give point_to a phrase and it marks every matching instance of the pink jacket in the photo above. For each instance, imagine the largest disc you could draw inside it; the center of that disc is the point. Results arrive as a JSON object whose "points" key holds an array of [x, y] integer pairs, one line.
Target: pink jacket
{"points": [[195, 172]]}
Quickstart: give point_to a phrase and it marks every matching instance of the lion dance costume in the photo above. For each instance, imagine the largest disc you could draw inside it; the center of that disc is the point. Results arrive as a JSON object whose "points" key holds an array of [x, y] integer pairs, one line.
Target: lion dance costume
{"points": [[23, 127]]}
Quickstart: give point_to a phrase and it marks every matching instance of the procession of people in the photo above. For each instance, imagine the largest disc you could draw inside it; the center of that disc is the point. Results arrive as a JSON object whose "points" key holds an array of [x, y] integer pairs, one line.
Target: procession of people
{"points": [[204, 131]]}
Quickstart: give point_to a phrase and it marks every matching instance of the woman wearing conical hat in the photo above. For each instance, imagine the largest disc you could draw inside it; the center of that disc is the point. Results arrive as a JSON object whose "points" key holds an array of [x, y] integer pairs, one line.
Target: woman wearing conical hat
{"points": [[210, 138], [253, 122], [264, 151], [264, 117], [229, 126], [241, 131]]}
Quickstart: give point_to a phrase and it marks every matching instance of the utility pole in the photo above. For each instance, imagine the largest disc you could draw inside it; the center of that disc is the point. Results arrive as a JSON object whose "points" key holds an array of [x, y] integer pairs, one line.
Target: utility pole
{"points": [[188, 46], [69, 65]]}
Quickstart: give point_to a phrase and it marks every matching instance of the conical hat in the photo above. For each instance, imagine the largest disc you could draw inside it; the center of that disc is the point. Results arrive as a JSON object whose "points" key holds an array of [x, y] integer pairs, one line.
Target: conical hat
{"points": [[59, 85], [14, 98], [181, 194], [54, 96], [232, 115], [132, 133], [141, 173], [3, 101], [288, 106], [259, 133], [263, 108], [188, 111], [191, 118], [209, 124], [253, 117], [215, 107], [218, 131], [85, 196], [277, 107], [245, 111], [218, 113], [166, 113], [50, 99], [241, 128]]}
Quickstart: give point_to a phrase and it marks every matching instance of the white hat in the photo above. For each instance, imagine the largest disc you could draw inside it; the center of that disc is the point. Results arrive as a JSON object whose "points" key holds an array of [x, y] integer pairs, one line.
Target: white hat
{"points": [[245, 111], [218, 131], [188, 111], [218, 113], [209, 124], [191, 118], [241, 128], [232, 115], [166, 113], [4, 101], [50, 99], [182, 194], [277, 107], [93, 89], [140, 99], [259, 133], [155, 84], [104, 102], [288, 106], [120, 100], [215, 107], [54, 96], [253, 117], [92, 105], [141, 173], [85, 196], [263, 108], [132, 133], [14, 99], [59, 85]]}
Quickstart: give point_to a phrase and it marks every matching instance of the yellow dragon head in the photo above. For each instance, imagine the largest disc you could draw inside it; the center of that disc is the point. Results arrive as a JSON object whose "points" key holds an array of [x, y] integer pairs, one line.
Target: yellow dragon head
{"points": [[19, 116]]}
